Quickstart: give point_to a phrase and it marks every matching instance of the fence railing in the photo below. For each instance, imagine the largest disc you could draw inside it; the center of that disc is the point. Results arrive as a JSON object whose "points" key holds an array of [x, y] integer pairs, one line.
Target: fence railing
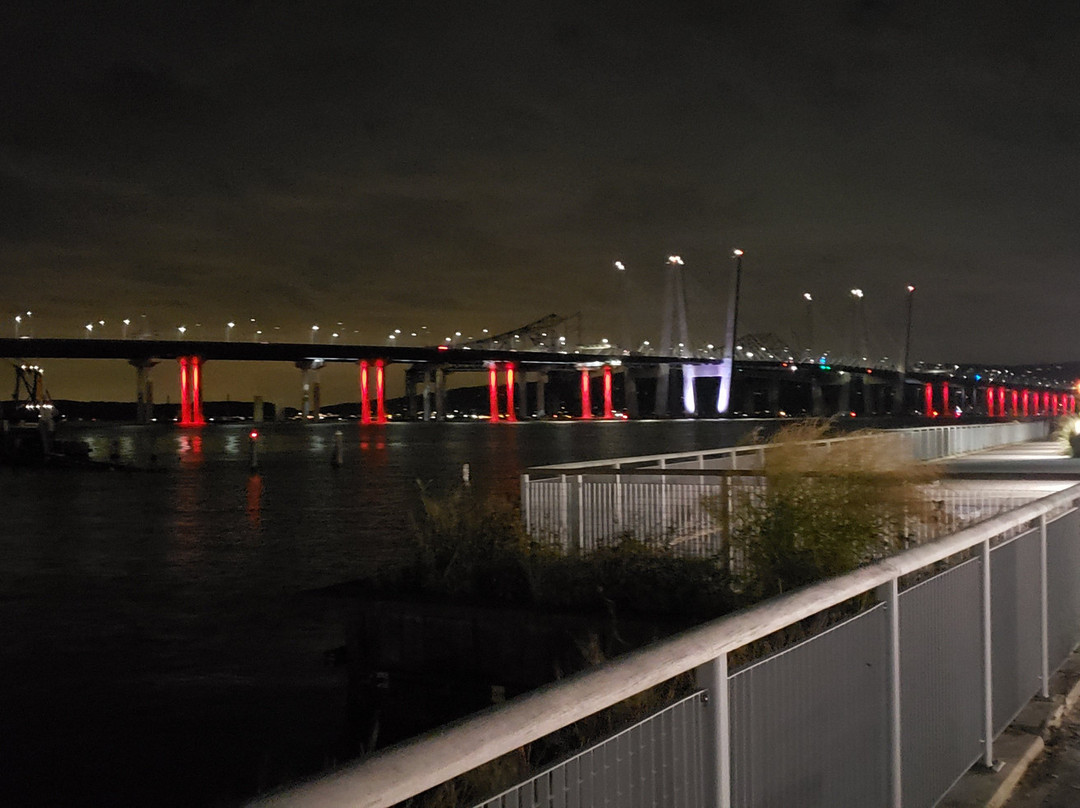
{"points": [[695, 514], [928, 675], [926, 443], [664, 499]]}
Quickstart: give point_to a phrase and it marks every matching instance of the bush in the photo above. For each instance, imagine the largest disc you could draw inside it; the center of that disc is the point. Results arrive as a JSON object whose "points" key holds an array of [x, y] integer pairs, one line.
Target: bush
{"points": [[823, 511]]}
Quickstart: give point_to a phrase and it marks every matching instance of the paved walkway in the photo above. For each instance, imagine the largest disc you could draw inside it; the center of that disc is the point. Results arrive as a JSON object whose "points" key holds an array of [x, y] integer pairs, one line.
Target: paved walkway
{"points": [[1040, 752], [1025, 461], [1053, 781]]}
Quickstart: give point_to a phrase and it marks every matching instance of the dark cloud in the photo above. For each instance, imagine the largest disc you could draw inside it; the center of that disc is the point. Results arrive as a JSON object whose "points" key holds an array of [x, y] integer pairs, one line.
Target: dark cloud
{"points": [[484, 163]]}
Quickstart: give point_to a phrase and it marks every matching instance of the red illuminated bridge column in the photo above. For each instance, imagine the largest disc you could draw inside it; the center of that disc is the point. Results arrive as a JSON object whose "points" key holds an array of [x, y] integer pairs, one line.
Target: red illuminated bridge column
{"points": [[609, 410], [191, 410], [586, 394], [380, 391], [990, 401], [928, 400], [511, 411], [493, 392]]}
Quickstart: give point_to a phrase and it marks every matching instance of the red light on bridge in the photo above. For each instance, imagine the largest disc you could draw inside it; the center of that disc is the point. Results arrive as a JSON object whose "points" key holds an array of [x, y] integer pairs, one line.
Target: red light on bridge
{"points": [[444, 347], [254, 434]]}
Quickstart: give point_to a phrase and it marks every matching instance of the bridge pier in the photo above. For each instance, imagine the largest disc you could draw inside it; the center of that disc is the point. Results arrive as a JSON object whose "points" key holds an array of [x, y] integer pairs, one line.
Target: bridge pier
{"points": [[144, 390], [518, 403], [191, 410], [843, 401], [663, 379], [410, 393], [609, 409], [429, 380], [440, 393], [630, 394], [365, 392], [541, 394], [773, 394], [817, 398], [309, 387]]}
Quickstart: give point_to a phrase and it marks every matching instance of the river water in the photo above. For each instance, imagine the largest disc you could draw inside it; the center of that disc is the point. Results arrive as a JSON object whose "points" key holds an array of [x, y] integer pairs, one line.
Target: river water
{"points": [[158, 641]]}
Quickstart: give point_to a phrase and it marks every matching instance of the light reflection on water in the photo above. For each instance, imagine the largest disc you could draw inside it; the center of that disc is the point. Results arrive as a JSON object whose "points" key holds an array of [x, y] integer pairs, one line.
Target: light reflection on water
{"points": [[154, 641]]}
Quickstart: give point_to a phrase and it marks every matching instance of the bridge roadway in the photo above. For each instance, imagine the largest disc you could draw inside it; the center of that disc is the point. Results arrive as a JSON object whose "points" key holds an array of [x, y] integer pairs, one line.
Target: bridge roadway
{"points": [[757, 387]]}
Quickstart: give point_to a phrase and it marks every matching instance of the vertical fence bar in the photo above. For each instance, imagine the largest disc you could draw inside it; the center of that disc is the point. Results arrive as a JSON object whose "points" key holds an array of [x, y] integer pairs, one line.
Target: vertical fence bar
{"points": [[712, 677], [619, 516], [564, 495], [890, 595], [663, 499], [1044, 627], [988, 682], [581, 511], [525, 502]]}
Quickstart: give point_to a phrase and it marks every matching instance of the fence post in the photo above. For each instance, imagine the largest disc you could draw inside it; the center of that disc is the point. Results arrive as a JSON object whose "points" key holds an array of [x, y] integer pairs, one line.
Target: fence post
{"points": [[564, 528], [525, 500], [581, 511], [987, 672], [663, 500], [890, 595], [1044, 689], [712, 677], [619, 520]]}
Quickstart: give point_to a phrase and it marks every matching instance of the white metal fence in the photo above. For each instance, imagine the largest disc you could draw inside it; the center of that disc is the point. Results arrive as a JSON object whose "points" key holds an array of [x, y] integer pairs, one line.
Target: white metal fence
{"points": [[671, 500], [926, 443], [928, 676], [696, 515]]}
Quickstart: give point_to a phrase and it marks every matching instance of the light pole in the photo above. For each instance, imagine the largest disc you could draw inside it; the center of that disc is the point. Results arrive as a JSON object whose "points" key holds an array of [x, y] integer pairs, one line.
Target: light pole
{"points": [[727, 371], [809, 298], [182, 330], [18, 320], [229, 326], [126, 321], [860, 325], [314, 331], [907, 330], [624, 308], [89, 330], [737, 254]]}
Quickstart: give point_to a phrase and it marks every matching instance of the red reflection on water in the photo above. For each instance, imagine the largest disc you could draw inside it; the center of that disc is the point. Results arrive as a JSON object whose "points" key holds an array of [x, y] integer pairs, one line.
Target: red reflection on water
{"points": [[254, 500]]}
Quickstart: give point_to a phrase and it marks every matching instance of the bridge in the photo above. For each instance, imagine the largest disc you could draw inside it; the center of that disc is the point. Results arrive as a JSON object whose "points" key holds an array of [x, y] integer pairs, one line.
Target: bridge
{"points": [[771, 381]]}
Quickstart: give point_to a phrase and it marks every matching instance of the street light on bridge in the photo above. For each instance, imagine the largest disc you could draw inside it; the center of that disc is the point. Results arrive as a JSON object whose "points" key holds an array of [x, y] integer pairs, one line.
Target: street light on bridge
{"points": [[89, 330], [18, 320], [182, 330], [907, 330], [229, 326], [123, 332], [314, 331]]}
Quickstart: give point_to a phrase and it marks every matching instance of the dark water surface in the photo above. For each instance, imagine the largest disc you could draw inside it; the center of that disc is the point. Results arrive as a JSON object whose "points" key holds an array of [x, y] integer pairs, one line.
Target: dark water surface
{"points": [[156, 644]]}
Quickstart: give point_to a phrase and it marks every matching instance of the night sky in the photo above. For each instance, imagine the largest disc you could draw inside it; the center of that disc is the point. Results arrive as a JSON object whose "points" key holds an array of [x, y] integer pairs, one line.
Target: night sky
{"points": [[468, 165]]}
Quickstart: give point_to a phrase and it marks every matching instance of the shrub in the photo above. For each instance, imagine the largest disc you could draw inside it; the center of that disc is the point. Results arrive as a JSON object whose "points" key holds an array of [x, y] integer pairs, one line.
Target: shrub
{"points": [[823, 510]]}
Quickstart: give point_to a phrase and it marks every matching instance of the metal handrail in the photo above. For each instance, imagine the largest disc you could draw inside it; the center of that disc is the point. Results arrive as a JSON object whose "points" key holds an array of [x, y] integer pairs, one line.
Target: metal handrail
{"points": [[747, 449]]}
